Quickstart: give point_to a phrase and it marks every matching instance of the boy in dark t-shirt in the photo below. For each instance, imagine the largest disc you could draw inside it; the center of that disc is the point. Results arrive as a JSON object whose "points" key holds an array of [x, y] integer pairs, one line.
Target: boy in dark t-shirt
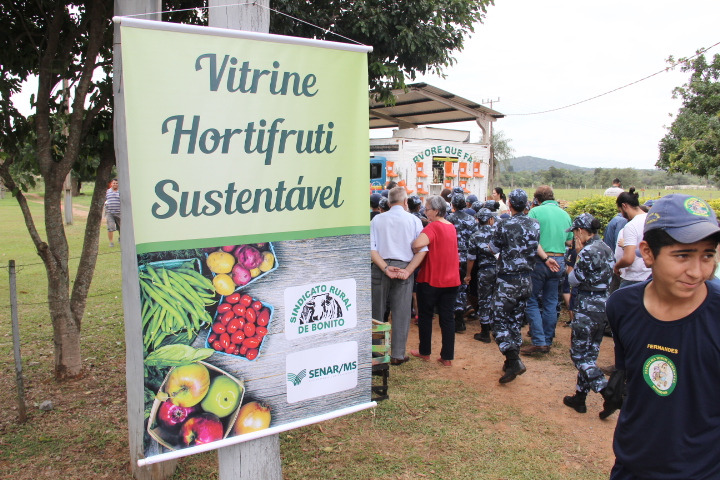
{"points": [[667, 344]]}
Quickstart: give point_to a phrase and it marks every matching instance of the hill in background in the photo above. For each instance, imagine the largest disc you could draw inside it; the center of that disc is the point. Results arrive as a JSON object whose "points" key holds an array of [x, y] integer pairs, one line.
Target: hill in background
{"points": [[536, 164]]}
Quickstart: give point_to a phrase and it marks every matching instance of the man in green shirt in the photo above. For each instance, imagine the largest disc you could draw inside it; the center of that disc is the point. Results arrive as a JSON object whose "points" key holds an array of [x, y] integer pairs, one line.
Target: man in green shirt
{"points": [[553, 240]]}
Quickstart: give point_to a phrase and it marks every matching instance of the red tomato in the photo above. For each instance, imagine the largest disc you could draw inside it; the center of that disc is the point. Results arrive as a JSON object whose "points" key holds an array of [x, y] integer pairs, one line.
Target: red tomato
{"points": [[236, 351], [246, 300], [237, 337], [218, 327], [249, 329], [251, 354], [233, 325], [224, 307], [226, 317], [251, 315], [251, 342], [234, 298], [261, 331], [224, 340], [239, 310], [242, 350], [216, 345], [230, 349], [257, 305], [211, 338], [263, 318]]}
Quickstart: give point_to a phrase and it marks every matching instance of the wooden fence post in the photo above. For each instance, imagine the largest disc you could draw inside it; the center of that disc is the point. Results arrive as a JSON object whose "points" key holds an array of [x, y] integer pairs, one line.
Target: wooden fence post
{"points": [[22, 412]]}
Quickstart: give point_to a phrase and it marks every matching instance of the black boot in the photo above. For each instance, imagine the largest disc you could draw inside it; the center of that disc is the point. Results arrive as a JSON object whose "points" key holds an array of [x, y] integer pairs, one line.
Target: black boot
{"points": [[513, 366], [484, 335], [576, 401], [459, 321]]}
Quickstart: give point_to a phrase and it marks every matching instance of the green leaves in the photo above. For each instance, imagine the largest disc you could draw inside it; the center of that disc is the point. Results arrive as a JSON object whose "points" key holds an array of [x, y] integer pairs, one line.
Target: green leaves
{"points": [[692, 144]]}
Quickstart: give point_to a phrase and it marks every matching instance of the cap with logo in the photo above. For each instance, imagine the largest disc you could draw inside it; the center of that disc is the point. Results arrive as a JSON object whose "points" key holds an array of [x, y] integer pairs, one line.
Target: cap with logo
{"points": [[518, 199], [584, 221], [685, 218], [484, 214]]}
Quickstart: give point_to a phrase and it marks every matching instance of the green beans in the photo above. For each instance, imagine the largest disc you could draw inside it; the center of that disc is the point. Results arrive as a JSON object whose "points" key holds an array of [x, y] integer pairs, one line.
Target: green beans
{"points": [[173, 303]]}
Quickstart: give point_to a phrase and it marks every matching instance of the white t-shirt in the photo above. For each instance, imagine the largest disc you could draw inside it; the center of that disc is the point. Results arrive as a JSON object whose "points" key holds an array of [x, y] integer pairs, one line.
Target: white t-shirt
{"points": [[632, 235], [613, 191], [503, 208]]}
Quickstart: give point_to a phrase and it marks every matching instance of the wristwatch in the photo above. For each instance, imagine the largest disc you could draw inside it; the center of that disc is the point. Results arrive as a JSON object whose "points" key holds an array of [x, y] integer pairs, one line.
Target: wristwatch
{"points": [[544, 260]]}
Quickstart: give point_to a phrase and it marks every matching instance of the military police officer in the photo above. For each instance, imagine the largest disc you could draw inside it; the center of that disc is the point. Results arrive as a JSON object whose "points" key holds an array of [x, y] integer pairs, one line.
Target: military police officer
{"points": [[481, 271], [465, 227], [591, 277]]}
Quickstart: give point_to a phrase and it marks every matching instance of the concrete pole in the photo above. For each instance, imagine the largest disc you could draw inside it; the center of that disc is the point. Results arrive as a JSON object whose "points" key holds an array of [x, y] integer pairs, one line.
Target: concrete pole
{"points": [[258, 458]]}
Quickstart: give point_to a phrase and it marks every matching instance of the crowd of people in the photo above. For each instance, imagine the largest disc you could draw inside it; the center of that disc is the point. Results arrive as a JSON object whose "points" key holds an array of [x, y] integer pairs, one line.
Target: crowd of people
{"points": [[464, 258]]}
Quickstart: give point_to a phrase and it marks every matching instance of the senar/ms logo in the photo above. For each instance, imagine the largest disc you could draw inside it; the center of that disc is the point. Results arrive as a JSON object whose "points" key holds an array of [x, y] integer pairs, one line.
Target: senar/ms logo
{"points": [[333, 369], [295, 379]]}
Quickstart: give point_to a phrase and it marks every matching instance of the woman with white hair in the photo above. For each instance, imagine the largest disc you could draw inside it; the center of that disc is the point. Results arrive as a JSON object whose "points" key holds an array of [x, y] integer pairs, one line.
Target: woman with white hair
{"points": [[438, 280]]}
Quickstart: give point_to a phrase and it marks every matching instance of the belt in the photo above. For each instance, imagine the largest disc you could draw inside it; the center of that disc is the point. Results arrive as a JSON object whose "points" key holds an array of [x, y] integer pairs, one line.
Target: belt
{"points": [[554, 254]]}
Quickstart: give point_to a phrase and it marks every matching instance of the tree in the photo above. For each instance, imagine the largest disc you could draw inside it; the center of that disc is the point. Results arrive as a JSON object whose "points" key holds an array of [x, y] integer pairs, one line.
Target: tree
{"points": [[408, 36], [58, 41], [72, 41], [692, 144], [501, 155]]}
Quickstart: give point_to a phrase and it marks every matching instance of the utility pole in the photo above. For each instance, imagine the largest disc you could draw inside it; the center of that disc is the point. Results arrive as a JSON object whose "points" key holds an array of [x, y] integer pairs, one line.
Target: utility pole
{"points": [[491, 166], [257, 458]]}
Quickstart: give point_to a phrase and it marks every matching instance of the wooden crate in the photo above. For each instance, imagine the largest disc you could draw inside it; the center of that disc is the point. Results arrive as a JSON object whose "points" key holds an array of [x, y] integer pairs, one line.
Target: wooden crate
{"points": [[380, 359]]}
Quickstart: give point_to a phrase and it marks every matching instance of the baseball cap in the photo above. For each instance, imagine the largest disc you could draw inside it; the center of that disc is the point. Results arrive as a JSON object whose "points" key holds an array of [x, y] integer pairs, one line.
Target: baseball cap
{"points": [[414, 201], [584, 220], [375, 200], [518, 199], [685, 218], [484, 214], [458, 201], [472, 198], [458, 190]]}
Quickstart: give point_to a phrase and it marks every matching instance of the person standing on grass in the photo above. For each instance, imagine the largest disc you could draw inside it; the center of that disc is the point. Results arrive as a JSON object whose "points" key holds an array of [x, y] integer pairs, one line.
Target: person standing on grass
{"points": [[591, 277], [393, 261], [633, 267], [667, 346], [615, 190], [542, 317], [112, 210], [438, 281]]}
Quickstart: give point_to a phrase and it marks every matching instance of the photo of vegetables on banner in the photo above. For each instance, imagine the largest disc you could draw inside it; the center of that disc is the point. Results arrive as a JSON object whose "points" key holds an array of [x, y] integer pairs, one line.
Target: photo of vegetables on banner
{"points": [[247, 160]]}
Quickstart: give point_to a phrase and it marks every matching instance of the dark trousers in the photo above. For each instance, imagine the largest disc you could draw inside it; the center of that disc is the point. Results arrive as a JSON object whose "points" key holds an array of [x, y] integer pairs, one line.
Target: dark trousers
{"points": [[444, 299]]}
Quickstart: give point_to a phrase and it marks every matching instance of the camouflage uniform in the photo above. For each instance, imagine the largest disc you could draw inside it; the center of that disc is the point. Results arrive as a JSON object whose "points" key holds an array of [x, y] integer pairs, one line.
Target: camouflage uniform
{"points": [[591, 277], [516, 239], [485, 270], [466, 226]]}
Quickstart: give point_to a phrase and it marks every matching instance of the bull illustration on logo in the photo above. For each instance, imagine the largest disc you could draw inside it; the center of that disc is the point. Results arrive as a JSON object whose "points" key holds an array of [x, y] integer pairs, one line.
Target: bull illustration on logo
{"points": [[319, 308]]}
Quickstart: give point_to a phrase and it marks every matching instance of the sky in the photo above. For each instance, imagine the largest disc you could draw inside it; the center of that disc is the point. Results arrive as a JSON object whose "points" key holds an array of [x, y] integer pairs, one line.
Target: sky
{"points": [[540, 55]]}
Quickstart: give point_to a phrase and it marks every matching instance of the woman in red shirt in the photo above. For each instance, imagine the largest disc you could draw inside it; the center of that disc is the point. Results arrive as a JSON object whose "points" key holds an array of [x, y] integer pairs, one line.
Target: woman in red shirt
{"points": [[437, 281]]}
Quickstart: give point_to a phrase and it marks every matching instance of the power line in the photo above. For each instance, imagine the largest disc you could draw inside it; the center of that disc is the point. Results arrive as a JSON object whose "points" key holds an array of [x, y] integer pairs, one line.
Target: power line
{"points": [[700, 52]]}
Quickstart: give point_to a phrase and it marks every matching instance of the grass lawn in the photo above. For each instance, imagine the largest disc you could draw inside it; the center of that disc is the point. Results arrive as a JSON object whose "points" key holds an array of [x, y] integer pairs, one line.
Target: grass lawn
{"points": [[433, 426]]}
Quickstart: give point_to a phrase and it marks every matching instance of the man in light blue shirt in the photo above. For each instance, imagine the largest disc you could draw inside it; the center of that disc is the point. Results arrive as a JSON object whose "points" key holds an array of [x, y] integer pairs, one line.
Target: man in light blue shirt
{"points": [[393, 262]]}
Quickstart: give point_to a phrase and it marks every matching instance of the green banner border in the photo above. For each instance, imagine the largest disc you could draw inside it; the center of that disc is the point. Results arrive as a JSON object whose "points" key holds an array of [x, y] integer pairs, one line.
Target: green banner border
{"points": [[255, 238]]}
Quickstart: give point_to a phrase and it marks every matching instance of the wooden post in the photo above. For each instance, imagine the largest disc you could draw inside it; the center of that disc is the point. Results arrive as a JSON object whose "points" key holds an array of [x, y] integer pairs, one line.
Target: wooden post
{"points": [[131, 287], [22, 412], [258, 458]]}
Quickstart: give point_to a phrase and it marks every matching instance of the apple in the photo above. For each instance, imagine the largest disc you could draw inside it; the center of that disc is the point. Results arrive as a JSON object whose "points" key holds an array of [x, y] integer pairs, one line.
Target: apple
{"points": [[223, 397], [172, 416], [253, 416], [201, 429], [187, 385]]}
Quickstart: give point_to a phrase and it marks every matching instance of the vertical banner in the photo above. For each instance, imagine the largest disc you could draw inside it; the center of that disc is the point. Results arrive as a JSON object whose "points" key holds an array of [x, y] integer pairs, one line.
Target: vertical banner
{"points": [[247, 158]]}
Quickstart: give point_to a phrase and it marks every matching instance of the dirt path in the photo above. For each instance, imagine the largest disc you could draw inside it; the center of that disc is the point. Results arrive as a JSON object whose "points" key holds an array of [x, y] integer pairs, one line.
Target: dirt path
{"points": [[78, 210], [539, 392]]}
